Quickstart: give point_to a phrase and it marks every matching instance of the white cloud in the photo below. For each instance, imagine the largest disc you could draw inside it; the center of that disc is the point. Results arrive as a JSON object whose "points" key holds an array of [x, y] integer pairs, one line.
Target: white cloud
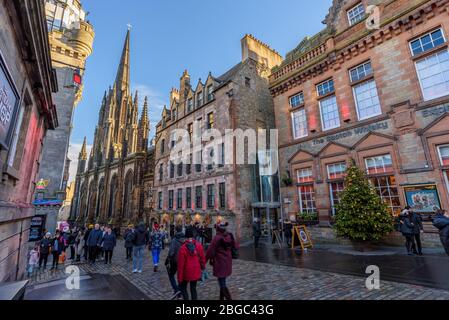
{"points": [[73, 154]]}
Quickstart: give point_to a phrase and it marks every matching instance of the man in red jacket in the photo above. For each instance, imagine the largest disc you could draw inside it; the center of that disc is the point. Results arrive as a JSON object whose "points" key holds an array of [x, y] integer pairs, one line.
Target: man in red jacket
{"points": [[191, 263]]}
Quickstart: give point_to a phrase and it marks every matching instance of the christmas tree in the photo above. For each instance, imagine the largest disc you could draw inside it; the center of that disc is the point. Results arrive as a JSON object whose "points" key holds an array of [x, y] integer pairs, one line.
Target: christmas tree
{"points": [[361, 213]]}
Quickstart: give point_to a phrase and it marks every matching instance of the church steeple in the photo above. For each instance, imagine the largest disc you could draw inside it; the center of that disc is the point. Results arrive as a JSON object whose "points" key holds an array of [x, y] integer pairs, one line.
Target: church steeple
{"points": [[83, 153], [123, 78]]}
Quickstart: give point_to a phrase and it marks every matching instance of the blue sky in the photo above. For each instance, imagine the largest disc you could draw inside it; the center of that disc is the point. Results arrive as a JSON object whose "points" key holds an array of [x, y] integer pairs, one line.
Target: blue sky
{"points": [[169, 36]]}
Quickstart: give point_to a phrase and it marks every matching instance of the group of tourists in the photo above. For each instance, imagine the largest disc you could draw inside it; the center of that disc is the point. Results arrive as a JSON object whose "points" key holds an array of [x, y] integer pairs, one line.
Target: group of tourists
{"points": [[90, 243], [411, 227]]}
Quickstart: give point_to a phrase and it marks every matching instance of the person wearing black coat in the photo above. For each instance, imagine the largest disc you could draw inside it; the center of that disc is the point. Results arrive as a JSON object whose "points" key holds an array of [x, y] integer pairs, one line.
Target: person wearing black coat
{"points": [[57, 247], [288, 227], [441, 222], [86, 236], [140, 240], [257, 232], [128, 237], [94, 243], [417, 230], [407, 230], [44, 250], [109, 242]]}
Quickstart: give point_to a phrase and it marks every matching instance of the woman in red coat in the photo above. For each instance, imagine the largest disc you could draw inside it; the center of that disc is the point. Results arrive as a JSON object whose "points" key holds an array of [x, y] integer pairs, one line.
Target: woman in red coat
{"points": [[191, 263], [220, 256]]}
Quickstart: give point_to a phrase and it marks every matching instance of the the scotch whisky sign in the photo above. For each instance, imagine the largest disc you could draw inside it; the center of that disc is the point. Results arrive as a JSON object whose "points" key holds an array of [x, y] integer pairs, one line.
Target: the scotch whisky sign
{"points": [[9, 100]]}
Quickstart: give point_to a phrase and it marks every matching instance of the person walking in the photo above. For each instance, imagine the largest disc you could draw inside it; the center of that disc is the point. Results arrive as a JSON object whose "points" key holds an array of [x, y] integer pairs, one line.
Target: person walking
{"points": [[100, 253], [71, 243], [140, 240], [44, 250], [79, 244], [109, 242], [441, 222], [33, 260], [86, 236], [128, 237], [191, 263], [220, 257], [417, 230], [57, 247], [156, 245], [288, 234], [257, 232], [94, 243], [407, 228], [171, 262]]}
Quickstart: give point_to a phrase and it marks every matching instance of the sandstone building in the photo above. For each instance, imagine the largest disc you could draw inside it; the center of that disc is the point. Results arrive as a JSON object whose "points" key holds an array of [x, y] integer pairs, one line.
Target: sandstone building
{"points": [[27, 112], [71, 38], [193, 190], [372, 86], [113, 186]]}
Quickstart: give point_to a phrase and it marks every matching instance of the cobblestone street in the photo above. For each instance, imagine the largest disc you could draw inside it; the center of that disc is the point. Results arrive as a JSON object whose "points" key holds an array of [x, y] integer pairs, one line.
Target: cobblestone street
{"points": [[250, 281]]}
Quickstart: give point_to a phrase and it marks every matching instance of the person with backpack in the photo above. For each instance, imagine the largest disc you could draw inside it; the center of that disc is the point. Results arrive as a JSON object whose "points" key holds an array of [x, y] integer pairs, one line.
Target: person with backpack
{"points": [[441, 222], [44, 250], [140, 240], [128, 237], [407, 227], [156, 245], [220, 254], [171, 263], [191, 263]]}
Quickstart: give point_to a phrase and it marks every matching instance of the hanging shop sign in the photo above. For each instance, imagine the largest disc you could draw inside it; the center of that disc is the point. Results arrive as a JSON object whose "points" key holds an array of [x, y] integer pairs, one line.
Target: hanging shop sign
{"points": [[9, 104], [423, 198], [37, 228]]}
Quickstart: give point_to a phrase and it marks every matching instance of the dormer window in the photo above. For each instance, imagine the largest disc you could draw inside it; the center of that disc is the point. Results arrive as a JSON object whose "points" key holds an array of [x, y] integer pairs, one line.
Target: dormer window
{"points": [[199, 99], [210, 93], [190, 105], [356, 14], [174, 113]]}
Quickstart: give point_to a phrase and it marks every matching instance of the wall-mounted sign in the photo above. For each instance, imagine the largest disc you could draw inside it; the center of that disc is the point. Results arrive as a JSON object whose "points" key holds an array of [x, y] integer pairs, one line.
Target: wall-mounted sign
{"points": [[9, 104], [37, 228], [423, 198], [354, 132]]}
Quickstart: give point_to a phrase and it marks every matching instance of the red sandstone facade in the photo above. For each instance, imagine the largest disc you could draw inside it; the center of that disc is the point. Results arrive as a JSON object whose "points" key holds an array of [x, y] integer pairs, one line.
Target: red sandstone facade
{"points": [[386, 106]]}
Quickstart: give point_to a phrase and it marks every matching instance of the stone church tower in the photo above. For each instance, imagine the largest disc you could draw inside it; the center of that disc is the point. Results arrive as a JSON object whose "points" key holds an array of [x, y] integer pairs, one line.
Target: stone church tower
{"points": [[115, 187], [71, 38]]}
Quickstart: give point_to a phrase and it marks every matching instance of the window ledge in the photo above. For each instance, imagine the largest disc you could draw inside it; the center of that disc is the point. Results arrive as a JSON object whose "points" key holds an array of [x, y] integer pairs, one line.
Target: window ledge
{"points": [[364, 79]]}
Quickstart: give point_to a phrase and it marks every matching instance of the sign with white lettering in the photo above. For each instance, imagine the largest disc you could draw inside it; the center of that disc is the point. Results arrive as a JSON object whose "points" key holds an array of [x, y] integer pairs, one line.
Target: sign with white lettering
{"points": [[9, 100]]}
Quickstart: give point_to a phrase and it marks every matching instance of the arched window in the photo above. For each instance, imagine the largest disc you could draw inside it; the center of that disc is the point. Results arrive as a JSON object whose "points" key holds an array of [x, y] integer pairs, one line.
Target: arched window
{"points": [[127, 195], [112, 196], [99, 198]]}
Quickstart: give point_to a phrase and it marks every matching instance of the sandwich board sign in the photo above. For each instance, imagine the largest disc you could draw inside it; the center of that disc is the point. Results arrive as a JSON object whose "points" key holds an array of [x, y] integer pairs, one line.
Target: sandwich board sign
{"points": [[302, 234]]}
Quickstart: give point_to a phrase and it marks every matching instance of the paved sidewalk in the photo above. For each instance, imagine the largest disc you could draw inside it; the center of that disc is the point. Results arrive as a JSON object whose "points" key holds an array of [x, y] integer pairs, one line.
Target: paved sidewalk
{"points": [[251, 281]]}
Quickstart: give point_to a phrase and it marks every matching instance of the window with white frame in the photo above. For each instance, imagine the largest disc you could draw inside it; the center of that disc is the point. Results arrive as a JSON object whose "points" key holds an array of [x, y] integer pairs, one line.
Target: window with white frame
{"points": [[361, 71], [427, 42], [199, 99], [444, 155], [379, 164], [336, 170], [307, 203], [335, 189], [387, 189], [297, 100], [433, 74], [299, 124], [305, 175], [330, 117], [367, 100], [356, 14], [325, 87]]}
